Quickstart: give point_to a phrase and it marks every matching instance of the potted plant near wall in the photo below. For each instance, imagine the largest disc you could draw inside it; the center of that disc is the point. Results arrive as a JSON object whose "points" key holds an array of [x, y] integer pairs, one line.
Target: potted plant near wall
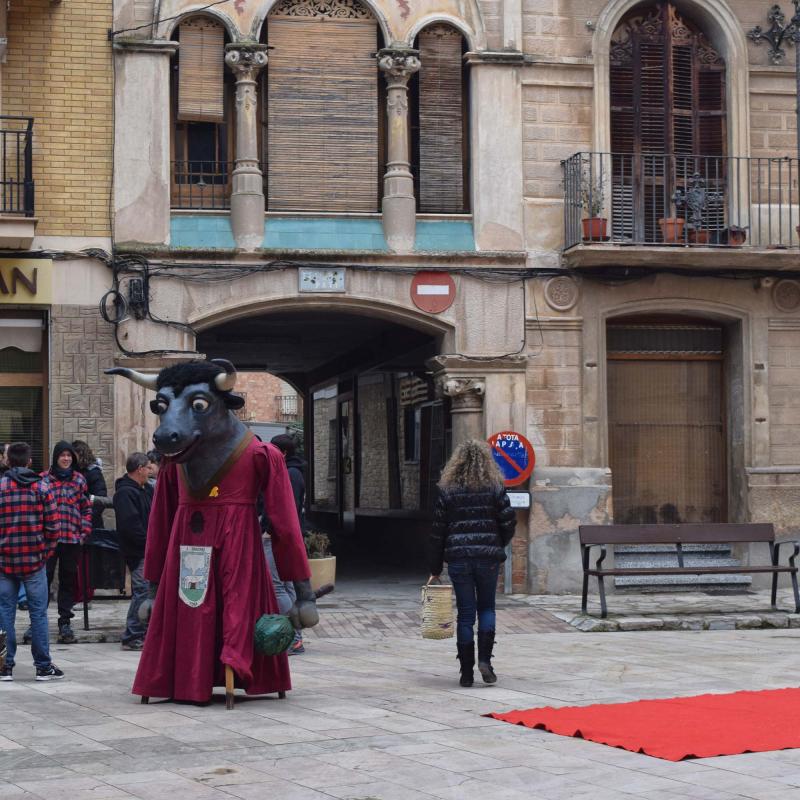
{"points": [[595, 226], [671, 229], [320, 560]]}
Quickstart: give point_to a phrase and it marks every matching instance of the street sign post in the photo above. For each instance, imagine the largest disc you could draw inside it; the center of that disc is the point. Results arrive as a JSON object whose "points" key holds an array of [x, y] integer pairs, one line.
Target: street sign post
{"points": [[433, 292], [514, 455]]}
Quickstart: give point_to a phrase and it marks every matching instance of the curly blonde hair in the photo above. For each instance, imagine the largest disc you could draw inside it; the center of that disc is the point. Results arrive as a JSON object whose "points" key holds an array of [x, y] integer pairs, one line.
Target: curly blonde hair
{"points": [[471, 467]]}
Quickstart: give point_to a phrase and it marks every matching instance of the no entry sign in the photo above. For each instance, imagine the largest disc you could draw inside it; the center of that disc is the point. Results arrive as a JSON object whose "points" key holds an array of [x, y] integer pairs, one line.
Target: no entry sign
{"points": [[433, 292], [514, 454]]}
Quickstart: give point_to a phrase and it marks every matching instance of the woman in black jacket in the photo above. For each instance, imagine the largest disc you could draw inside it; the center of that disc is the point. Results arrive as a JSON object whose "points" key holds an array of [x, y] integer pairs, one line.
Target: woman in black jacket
{"points": [[472, 525]]}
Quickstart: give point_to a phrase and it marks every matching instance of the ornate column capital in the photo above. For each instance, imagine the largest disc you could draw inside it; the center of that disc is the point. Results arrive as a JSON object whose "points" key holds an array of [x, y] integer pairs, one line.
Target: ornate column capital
{"points": [[246, 59], [398, 64], [466, 394]]}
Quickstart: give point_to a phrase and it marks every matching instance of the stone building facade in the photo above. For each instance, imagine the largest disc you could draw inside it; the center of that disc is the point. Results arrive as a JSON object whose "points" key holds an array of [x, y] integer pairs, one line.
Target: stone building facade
{"points": [[56, 135], [655, 377]]}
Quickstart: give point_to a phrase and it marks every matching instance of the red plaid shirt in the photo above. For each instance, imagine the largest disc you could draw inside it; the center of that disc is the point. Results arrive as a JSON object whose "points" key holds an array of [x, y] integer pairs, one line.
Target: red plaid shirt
{"points": [[74, 507], [28, 526]]}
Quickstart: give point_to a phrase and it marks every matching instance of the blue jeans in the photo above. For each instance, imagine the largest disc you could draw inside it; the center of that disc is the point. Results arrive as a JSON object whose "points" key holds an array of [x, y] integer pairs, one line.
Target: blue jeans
{"points": [[36, 590], [284, 590], [135, 629], [475, 585]]}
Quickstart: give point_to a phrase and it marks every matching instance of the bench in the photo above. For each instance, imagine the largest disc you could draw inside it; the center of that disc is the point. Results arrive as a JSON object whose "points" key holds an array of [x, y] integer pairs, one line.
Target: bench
{"points": [[712, 533]]}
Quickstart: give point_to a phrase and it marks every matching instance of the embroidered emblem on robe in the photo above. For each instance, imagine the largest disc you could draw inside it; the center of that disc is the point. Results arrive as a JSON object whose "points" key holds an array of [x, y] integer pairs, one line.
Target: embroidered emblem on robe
{"points": [[193, 574]]}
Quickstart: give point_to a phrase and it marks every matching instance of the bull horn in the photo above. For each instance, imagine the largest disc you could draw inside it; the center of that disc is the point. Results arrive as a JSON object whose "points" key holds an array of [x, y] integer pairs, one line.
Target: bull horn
{"points": [[225, 381], [142, 378]]}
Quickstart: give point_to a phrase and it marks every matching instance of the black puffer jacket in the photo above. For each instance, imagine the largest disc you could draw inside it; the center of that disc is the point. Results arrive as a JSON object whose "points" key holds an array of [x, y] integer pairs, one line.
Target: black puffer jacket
{"points": [[469, 524]]}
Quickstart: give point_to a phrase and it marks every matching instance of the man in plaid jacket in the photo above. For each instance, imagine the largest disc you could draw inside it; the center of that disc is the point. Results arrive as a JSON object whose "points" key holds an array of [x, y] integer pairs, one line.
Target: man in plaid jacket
{"points": [[74, 523], [28, 534]]}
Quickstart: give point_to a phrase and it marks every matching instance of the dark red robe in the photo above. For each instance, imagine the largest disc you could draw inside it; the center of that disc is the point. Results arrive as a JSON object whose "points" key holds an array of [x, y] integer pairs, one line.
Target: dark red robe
{"points": [[187, 647]]}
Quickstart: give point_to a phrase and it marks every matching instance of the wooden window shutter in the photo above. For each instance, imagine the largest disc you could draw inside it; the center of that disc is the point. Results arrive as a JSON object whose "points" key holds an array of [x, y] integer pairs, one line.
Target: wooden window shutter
{"points": [[441, 121], [322, 113], [201, 71]]}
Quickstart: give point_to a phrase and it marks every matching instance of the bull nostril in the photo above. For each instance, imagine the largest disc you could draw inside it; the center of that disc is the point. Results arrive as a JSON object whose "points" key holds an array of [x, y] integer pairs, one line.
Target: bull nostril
{"points": [[173, 437]]}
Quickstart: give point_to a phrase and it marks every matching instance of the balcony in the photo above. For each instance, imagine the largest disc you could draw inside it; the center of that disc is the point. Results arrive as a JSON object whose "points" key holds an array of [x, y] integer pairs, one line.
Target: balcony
{"points": [[17, 222], [655, 209], [201, 185]]}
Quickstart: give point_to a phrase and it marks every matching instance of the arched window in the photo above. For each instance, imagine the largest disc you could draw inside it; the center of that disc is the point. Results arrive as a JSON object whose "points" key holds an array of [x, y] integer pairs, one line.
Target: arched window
{"points": [[439, 114], [320, 115], [201, 111], [668, 118]]}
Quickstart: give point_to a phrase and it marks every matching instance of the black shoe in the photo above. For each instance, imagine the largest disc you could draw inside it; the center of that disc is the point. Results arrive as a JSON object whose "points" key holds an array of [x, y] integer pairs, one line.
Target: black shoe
{"points": [[65, 634], [51, 673], [485, 646], [23, 606], [133, 644], [27, 637], [466, 655], [6, 673]]}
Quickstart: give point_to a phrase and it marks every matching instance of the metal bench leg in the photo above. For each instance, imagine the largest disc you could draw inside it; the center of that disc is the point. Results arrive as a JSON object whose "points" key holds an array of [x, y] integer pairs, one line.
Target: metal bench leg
{"points": [[774, 589], [796, 593], [585, 596], [602, 587]]}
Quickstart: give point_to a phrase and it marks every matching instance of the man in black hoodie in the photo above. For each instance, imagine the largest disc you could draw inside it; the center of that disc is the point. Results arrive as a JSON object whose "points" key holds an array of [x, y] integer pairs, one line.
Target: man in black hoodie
{"points": [[132, 499]]}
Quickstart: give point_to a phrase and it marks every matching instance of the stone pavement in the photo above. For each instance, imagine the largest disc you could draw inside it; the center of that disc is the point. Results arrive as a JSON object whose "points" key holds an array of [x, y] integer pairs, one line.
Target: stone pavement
{"points": [[381, 717]]}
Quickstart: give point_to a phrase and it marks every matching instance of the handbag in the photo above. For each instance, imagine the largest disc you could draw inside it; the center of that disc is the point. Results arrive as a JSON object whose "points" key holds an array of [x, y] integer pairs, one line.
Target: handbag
{"points": [[437, 610]]}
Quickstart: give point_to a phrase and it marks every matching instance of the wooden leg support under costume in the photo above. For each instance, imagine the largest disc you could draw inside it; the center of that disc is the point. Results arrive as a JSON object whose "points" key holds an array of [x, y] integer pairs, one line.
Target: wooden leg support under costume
{"points": [[145, 700], [229, 696]]}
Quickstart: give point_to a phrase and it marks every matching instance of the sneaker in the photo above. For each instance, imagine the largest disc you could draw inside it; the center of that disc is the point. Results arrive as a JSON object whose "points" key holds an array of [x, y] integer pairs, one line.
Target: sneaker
{"points": [[5, 673], [133, 644], [296, 648], [51, 673], [27, 637], [65, 634], [23, 606]]}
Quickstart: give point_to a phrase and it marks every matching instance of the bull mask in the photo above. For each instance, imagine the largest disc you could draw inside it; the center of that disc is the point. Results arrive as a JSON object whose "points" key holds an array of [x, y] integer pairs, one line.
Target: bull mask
{"points": [[224, 381]]}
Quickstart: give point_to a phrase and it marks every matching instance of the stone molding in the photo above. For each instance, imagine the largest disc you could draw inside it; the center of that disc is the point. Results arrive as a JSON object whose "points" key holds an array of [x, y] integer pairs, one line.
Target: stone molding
{"points": [[554, 323], [786, 295], [246, 60], [561, 292], [466, 367], [781, 324], [398, 65], [158, 47]]}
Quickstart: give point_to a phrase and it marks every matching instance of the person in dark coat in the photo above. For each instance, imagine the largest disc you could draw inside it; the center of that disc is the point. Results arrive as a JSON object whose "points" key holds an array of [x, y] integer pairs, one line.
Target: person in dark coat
{"points": [[472, 525], [132, 501]]}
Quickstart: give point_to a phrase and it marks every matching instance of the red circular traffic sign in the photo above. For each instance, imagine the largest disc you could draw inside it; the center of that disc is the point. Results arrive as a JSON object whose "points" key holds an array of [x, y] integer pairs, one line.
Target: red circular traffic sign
{"points": [[514, 455], [433, 292]]}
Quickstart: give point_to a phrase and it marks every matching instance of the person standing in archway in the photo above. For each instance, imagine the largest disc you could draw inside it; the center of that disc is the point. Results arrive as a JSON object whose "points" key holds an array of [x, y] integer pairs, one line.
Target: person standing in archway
{"points": [[473, 523]]}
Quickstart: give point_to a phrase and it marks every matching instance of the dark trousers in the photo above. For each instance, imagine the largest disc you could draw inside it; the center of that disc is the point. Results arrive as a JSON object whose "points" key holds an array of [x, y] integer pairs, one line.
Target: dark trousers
{"points": [[475, 585], [67, 557]]}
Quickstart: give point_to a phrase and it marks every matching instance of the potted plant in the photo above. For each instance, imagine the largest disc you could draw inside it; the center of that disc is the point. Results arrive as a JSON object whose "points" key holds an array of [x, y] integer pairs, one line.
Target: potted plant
{"points": [[320, 560], [595, 226], [699, 235], [671, 229], [737, 236]]}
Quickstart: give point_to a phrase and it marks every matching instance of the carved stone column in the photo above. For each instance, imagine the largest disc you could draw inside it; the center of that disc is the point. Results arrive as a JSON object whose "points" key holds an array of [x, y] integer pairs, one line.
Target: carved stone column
{"points": [[247, 198], [466, 407], [399, 205]]}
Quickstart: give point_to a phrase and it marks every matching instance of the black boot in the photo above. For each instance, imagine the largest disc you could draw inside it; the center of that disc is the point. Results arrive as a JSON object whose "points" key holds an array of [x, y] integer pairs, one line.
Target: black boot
{"points": [[485, 645], [466, 655]]}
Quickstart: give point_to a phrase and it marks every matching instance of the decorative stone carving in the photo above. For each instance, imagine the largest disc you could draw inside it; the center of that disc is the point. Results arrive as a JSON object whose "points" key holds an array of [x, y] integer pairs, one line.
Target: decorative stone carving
{"points": [[561, 293], [333, 9], [246, 61], [786, 295], [466, 394]]}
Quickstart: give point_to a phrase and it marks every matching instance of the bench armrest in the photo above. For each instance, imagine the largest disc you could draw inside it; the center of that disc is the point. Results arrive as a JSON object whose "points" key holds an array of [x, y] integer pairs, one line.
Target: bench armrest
{"points": [[795, 544], [587, 549]]}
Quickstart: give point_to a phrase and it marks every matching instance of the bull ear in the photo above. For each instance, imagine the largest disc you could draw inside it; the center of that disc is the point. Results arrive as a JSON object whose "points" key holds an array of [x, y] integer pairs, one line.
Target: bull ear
{"points": [[225, 381], [143, 379], [234, 401]]}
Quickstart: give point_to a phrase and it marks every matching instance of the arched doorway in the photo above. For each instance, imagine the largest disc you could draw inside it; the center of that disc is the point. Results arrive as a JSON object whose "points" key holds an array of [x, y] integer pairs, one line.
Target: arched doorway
{"points": [[667, 419], [375, 434]]}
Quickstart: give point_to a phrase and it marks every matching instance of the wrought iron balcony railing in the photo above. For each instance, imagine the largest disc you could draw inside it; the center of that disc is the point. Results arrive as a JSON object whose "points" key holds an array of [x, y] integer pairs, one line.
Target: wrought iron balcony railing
{"points": [[683, 200], [16, 165], [202, 185], [288, 407]]}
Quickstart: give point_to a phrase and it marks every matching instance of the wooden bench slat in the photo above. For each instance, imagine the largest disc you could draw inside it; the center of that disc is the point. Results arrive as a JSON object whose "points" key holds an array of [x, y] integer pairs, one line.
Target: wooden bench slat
{"points": [[688, 570], [689, 533]]}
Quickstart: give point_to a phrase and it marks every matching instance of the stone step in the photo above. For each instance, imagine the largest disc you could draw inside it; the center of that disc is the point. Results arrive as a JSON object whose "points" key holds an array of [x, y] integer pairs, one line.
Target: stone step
{"points": [[670, 560]]}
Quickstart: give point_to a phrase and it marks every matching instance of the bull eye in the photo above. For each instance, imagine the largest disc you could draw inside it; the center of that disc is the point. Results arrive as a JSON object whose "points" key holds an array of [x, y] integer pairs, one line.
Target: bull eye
{"points": [[160, 405], [199, 404]]}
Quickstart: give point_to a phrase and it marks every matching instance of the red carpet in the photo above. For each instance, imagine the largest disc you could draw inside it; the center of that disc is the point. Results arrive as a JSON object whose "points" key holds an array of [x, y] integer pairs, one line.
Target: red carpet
{"points": [[679, 727]]}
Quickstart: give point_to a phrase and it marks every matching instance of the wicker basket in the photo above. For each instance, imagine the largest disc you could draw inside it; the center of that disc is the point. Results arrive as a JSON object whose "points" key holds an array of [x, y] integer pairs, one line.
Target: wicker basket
{"points": [[437, 611]]}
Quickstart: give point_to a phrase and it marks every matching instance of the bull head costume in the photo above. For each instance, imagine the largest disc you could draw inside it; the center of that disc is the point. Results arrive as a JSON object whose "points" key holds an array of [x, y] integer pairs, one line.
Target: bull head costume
{"points": [[205, 509]]}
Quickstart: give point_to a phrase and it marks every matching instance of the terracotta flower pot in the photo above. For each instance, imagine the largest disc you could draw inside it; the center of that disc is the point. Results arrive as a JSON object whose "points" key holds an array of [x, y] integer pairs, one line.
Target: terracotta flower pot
{"points": [[671, 229], [738, 236], [700, 236], [595, 229]]}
